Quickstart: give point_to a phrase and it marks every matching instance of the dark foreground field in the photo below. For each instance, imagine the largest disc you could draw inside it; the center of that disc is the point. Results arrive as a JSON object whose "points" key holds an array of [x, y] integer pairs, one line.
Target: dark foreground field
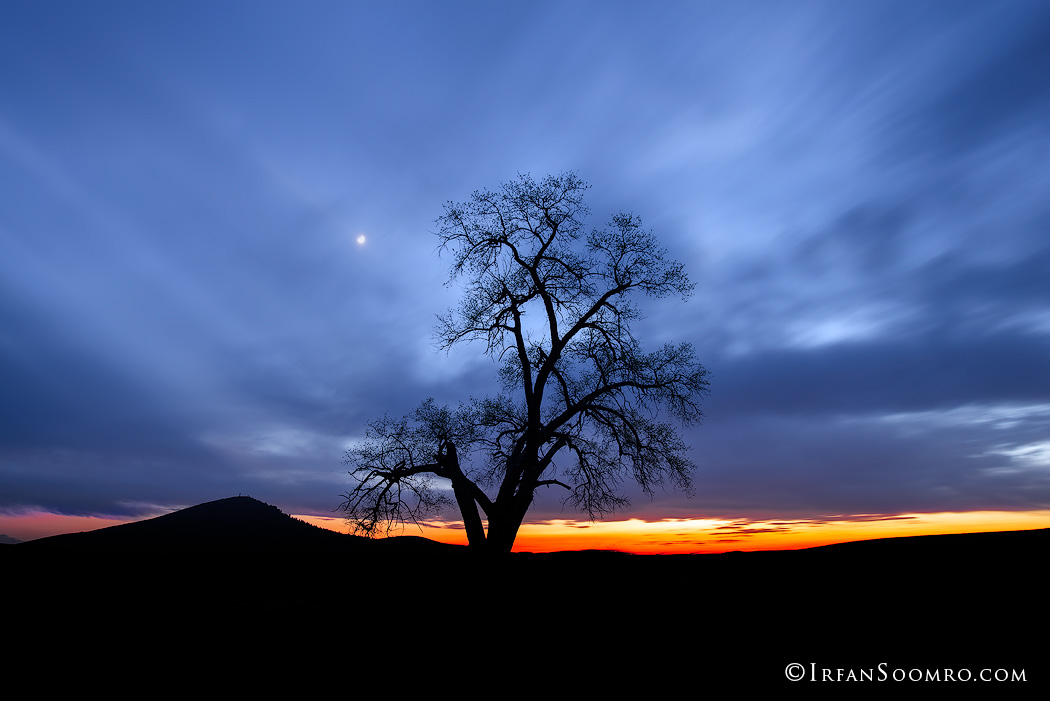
{"points": [[238, 594]]}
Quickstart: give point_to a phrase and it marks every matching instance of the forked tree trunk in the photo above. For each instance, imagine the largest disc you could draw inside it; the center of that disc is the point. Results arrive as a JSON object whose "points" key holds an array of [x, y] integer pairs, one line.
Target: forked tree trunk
{"points": [[501, 536], [503, 528]]}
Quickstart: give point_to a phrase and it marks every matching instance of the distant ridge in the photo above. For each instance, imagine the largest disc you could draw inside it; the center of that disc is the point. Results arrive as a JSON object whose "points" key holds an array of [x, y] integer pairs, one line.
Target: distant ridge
{"points": [[239, 574], [950, 545], [246, 524], [241, 524]]}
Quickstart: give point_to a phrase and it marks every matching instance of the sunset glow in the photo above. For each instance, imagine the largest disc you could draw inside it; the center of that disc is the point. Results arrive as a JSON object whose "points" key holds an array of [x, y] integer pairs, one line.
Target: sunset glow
{"points": [[723, 535], [669, 536], [36, 524]]}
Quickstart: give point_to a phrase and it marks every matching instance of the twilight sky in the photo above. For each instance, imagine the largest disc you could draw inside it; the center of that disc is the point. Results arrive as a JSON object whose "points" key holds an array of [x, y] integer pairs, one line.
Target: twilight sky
{"points": [[859, 190]]}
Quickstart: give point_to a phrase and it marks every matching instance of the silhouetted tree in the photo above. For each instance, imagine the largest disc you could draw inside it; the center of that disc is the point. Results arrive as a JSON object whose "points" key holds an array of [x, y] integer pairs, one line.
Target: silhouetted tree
{"points": [[581, 402]]}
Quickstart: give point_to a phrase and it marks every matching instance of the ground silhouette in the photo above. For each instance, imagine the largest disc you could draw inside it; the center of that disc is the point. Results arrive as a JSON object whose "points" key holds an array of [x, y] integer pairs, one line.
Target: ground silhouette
{"points": [[239, 575]]}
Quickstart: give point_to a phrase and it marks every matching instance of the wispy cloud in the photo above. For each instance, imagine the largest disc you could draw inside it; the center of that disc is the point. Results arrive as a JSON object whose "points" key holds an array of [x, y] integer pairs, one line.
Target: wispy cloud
{"points": [[858, 190]]}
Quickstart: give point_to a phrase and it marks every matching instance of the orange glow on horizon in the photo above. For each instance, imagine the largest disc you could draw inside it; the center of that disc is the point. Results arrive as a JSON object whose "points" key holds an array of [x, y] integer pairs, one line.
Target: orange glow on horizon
{"points": [[40, 524], [668, 536], [715, 535]]}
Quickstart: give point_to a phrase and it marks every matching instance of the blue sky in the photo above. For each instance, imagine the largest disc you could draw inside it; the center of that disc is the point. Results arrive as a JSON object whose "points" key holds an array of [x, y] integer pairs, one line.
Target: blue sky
{"points": [[859, 191]]}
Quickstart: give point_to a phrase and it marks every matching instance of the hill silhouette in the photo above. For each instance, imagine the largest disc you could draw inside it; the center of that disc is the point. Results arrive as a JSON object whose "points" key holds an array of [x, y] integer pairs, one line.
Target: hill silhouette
{"points": [[236, 522], [240, 573], [234, 525]]}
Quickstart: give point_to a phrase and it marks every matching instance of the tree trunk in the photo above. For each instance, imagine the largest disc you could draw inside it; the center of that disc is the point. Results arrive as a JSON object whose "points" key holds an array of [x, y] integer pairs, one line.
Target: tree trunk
{"points": [[503, 527], [501, 537]]}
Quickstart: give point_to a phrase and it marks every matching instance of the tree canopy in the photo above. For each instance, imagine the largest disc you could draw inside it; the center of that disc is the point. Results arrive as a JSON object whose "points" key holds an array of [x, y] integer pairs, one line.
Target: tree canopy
{"points": [[582, 406]]}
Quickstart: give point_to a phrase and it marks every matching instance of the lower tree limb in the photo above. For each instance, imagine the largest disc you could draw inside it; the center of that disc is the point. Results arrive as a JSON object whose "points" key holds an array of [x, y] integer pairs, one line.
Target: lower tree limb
{"points": [[468, 508]]}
